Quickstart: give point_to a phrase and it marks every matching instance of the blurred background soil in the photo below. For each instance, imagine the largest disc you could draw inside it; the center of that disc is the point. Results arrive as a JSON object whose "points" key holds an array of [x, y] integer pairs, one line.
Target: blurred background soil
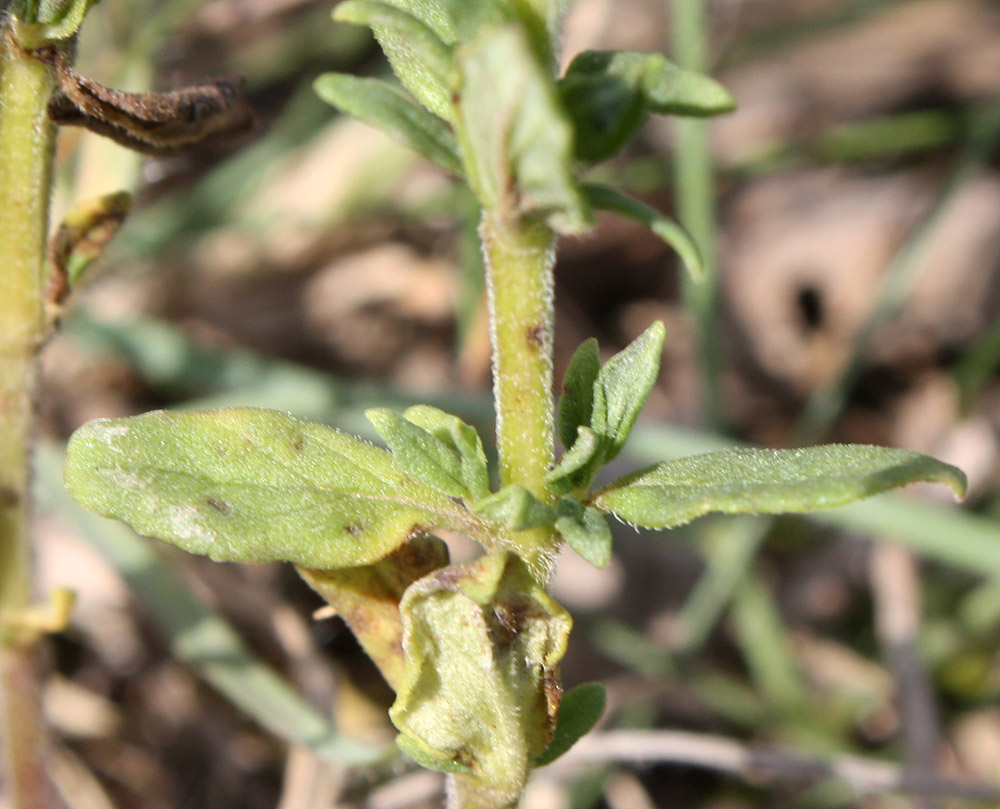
{"points": [[317, 267]]}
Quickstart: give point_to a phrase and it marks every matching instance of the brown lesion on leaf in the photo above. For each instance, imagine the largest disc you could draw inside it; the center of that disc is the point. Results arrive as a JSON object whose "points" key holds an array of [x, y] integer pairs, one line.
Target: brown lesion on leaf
{"points": [[9, 497], [552, 688], [84, 234], [355, 531], [220, 505]]}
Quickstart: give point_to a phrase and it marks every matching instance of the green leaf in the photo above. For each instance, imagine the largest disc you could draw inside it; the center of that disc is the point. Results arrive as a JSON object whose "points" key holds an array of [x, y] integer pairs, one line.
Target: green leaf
{"points": [[462, 439], [588, 534], [538, 18], [516, 139], [255, 486], [515, 508], [391, 110], [419, 452], [482, 642], [416, 39], [622, 387], [608, 94], [761, 481], [579, 710], [928, 528], [470, 16], [579, 458], [608, 199], [577, 400], [55, 20]]}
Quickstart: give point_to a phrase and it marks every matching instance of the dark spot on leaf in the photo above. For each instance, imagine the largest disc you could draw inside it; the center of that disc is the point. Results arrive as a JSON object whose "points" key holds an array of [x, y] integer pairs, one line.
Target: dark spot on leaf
{"points": [[354, 530], [9, 497], [220, 505], [508, 622], [299, 442], [465, 758]]}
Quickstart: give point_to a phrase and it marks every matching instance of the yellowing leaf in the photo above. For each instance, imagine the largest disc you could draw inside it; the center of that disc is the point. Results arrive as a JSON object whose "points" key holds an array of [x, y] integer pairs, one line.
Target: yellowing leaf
{"points": [[480, 687], [367, 598]]}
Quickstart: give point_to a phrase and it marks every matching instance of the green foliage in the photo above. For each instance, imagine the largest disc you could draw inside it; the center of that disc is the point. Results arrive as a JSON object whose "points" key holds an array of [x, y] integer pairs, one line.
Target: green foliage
{"points": [[255, 486], [604, 198], [416, 50], [41, 22], [609, 398], [608, 95], [391, 110], [484, 67], [587, 532], [760, 481], [514, 134], [577, 459], [472, 649], [425, 456], [576, 404], [462, 440], [516, 508], [621, 388], [579, 711]]}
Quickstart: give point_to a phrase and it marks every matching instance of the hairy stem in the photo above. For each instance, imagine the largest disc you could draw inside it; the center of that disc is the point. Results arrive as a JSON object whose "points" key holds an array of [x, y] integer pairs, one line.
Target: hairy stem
{"points": [[26, 140], [519, 256]]}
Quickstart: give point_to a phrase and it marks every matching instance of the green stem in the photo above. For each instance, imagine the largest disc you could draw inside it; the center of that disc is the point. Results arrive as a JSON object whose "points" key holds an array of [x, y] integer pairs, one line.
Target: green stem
{"points": [[26, 141], [519, 256], [695, 198]]}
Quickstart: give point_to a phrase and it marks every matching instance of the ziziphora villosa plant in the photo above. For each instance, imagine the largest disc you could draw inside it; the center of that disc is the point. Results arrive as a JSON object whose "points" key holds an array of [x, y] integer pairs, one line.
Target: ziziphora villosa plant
{"points": [[473, 650]]}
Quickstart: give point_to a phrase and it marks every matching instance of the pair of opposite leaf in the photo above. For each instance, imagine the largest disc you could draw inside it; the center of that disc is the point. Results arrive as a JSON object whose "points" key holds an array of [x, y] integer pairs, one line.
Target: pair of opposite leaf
{"points": [[479, 98], [252, 485]]}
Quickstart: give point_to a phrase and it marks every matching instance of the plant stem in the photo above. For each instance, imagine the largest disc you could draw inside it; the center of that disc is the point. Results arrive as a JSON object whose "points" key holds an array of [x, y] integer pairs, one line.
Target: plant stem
{"points": [[519, 256], [26, 141], [696, 207]]}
